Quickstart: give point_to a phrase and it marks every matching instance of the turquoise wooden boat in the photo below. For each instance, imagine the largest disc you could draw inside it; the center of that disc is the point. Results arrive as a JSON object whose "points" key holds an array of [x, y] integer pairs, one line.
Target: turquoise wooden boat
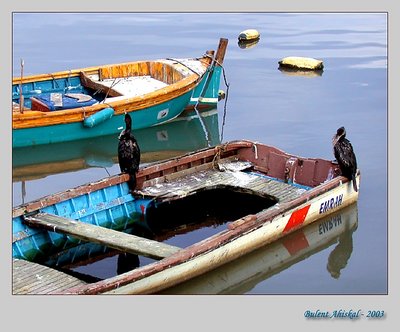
{"points": [[91, 102], [275, 193]]}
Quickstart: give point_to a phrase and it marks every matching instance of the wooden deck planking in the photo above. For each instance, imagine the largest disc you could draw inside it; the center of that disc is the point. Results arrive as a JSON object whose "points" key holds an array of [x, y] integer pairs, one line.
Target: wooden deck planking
{"points": [[212, 178], [111, 238], [33, 278]]}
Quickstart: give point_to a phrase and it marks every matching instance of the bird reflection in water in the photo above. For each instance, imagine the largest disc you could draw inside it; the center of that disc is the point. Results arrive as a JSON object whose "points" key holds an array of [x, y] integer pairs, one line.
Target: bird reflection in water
{"points": [[340, 255]]}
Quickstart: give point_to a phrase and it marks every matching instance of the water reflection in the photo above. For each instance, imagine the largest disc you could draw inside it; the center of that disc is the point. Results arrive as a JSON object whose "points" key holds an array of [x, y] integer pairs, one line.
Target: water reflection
{"points": [[183, 134], [248, 43], [127, 262], [299, 72], [33, 165], [244, 274], [339, 256]]}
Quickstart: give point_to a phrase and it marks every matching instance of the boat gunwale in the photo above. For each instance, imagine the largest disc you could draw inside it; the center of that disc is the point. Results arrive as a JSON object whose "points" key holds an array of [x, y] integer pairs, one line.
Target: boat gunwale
{"points": [[152, 171], [92, 70], [120, 178], [139, 103]]}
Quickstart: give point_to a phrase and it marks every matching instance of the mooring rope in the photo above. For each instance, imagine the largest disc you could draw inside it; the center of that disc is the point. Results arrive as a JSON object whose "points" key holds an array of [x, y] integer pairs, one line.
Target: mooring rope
{"points": [[225, 102], [203, 125], [220, 148], [214, 61], [114, 83], [183, 64]]}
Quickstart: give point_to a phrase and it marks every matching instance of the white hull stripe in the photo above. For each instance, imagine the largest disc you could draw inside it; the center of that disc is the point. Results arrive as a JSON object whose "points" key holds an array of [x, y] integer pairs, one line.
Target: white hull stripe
{"points": [[204, 100]]}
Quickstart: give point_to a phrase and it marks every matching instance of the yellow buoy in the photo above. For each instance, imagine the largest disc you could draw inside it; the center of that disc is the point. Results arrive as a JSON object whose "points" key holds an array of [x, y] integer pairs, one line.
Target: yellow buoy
{"points": [[296, 62], [249, 34]]}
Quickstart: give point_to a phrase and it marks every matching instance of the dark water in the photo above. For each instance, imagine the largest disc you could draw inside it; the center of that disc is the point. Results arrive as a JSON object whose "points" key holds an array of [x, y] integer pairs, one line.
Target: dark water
{"points": [[296, 113]]}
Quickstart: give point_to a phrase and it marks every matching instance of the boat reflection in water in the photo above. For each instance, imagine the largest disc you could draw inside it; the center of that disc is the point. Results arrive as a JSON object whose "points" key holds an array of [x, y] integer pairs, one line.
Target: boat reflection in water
{"points": [[183, 134], [32, 165], [243, 274]]}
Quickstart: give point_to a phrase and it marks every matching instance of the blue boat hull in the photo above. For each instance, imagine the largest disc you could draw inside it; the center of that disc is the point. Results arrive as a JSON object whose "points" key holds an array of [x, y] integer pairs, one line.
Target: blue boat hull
{"points": [[145, 118], [104, 121], [207, 92], [112, 207]]}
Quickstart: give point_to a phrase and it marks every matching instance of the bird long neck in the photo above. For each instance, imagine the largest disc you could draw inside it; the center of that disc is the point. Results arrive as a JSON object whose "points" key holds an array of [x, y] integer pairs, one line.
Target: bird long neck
{"points": [[128, 125], [337, 138]]}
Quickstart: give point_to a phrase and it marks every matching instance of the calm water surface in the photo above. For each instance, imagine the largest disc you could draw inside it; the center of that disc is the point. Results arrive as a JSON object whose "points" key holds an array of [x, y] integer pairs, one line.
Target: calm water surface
{"points": [[297, 113]]}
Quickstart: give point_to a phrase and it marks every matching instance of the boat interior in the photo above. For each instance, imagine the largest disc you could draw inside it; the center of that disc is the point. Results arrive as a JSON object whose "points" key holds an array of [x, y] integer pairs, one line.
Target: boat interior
{"points": [[80, 88]]}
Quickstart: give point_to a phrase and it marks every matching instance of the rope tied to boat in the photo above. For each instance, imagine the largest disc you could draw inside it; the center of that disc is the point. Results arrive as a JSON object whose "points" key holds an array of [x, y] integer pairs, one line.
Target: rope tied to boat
{"points": [[205, 86], [219, 150], [183, 64], [54, 80], [68, 79], [226, 93], [114, 83], [225, 100]]}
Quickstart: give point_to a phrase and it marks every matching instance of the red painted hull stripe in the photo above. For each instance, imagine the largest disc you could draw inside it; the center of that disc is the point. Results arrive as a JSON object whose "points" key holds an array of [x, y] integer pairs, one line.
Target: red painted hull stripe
{"points": [[297, 218]]}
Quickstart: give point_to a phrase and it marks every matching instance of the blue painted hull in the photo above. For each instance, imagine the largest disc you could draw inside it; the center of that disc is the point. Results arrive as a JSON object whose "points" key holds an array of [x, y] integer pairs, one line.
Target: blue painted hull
{"points": [[75, 131], [204, 92], [112, 207]]}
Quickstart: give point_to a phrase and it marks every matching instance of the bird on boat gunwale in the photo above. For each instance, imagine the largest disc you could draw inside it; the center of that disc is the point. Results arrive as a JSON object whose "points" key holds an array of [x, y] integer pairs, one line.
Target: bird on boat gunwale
{"points": [[345, 156], [128, 153]]}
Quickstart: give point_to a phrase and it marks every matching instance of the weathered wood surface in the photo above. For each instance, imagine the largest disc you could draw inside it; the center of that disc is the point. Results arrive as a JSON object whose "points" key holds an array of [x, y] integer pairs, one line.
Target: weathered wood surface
{"points": [[87, 82], [32, 278], [114, 239], [129, 104], [132, 86], [223, 44], [229, 175], [153, 172], [120, 106], [212, 244]]}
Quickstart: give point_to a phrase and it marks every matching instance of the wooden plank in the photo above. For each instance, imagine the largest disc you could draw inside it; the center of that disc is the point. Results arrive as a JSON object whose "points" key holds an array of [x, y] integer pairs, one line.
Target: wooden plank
{"points": [[89, 83], [33, 278], [213, 243], [205, 177], [223, 44], [108, 237]]}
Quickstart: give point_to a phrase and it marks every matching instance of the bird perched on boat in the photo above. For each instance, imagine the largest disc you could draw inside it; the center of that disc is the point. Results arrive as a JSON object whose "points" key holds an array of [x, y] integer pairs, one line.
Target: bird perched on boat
{"points": [[345, 156], [128, 153]]}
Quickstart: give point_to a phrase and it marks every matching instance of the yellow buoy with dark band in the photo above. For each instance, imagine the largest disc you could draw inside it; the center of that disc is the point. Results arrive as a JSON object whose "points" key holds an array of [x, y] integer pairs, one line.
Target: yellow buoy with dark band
{"points": [[249, 34], [295, 62]]}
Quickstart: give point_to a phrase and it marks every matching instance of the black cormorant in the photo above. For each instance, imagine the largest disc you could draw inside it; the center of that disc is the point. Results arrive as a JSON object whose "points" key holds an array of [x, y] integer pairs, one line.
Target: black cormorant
{"points": [[344, 154], [128, 153]]}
